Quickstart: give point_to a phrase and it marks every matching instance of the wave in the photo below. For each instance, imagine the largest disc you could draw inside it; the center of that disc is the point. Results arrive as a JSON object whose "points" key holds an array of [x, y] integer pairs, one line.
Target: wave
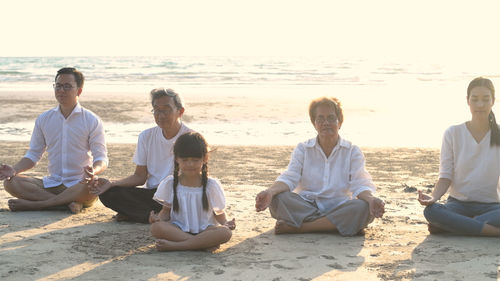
{"points": [[220, 70]]}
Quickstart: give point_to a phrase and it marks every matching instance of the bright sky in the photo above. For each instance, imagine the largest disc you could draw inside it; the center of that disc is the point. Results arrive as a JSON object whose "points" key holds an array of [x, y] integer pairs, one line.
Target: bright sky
{"points": [[370, 28]]}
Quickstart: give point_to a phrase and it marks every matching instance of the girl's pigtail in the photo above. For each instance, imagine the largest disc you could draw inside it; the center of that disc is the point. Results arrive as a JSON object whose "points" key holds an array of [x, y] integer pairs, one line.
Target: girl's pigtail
{"points": [[176, 182], [204, 180]]}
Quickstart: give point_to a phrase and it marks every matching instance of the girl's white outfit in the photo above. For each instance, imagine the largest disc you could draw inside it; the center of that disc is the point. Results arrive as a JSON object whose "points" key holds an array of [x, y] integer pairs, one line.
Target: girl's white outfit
{"points": [[191, 217]]}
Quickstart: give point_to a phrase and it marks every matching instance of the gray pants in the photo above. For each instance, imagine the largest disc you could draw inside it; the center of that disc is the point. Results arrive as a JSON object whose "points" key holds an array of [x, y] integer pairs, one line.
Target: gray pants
{"points": [[349, 218]]}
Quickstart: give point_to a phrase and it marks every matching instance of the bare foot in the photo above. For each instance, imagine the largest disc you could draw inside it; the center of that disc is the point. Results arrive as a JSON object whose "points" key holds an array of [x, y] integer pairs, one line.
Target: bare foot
{"points": [[75, 207], [22, 205], [281, 227], [163, 245]]}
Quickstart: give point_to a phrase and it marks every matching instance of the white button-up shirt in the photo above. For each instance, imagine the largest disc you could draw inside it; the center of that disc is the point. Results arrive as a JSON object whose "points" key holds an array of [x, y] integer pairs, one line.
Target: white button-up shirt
{"points": [[71, 143], [329, 182]]}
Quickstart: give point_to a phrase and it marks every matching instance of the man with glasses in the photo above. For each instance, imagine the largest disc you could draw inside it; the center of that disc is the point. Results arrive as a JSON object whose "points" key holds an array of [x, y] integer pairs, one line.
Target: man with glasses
{"points": [[154, 159], [68, 132]]}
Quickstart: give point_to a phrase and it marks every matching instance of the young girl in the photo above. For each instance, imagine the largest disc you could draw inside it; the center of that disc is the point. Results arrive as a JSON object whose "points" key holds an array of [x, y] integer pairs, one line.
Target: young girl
{"points": [[470, 169], [193, 204]]}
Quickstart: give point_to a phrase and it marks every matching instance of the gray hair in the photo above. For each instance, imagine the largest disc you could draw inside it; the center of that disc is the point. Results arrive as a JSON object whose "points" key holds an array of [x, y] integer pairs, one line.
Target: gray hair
{"points": [[161, 92]]}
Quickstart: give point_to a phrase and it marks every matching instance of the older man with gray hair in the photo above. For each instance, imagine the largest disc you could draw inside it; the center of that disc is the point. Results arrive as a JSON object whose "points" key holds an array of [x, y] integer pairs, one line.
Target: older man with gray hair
{"points": [[154, 159]]}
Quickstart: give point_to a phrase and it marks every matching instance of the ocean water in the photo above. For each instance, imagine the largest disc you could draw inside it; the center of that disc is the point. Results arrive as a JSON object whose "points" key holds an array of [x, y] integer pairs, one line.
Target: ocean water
{"points": [[257, 100]]}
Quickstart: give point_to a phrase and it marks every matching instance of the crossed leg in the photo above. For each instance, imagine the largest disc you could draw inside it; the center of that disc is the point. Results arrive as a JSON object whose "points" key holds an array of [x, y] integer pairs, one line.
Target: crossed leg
{"points": [[23, 187], [492, 222], [322, 224], [459, 217], [172, 238], [295, 215], [32, 196]]}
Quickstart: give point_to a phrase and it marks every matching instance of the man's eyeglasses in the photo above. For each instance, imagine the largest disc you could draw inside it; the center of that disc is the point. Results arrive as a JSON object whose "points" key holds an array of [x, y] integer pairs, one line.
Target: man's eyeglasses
{"points": [[65, 87], [164, 111]]}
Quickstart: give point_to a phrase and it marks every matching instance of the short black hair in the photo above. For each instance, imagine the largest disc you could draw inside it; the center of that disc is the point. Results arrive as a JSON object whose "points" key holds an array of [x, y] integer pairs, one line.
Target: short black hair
{"points": [[79, 78]]}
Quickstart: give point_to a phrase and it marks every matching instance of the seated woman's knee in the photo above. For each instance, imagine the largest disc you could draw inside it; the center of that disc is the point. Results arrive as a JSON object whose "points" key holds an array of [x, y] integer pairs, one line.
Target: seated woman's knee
{"points": [[6, 183], [361, 205], [430, 211], [282, 197]]}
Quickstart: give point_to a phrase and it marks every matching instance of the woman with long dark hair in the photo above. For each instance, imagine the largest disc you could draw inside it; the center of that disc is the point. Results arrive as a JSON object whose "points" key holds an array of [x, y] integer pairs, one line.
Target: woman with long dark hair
{"points": [[470, 170]]}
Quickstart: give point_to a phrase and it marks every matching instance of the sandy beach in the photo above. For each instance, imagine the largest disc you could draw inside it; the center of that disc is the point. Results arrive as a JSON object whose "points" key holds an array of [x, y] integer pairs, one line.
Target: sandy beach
{"points": [[55, 245], [247, 72]]}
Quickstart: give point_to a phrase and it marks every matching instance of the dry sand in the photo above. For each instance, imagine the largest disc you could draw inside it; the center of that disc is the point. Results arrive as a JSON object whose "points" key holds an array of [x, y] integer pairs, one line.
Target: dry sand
{"points": [[55, 245]]}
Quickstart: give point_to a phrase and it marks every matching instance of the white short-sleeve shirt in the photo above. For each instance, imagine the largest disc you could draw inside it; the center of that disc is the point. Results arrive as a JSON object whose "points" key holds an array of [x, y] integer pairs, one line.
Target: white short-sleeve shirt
{"points": [[473, 168], [72, 143], [191, 217], [328, 181], [156, 153]]}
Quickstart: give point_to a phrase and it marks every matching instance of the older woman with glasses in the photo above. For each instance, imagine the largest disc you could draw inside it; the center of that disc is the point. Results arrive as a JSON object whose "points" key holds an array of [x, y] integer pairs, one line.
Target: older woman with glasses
{"points": [[154, 160], [326, 187]]}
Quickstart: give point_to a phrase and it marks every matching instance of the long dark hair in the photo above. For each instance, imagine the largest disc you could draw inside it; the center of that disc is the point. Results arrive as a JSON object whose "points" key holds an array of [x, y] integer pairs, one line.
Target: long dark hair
{"points": [[191, 145], [485, 82]]}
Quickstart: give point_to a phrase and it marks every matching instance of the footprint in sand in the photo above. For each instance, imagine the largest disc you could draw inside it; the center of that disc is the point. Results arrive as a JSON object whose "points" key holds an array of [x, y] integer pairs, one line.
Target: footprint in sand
{"points": [[336, 266], [328, 257], [282, 266]]}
